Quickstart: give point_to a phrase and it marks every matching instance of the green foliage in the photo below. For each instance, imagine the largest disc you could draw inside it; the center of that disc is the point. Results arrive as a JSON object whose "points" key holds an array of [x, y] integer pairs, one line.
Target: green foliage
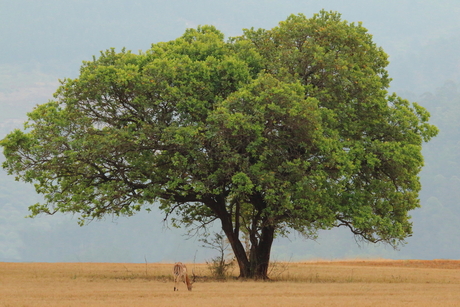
{"points": [[284, 129]]}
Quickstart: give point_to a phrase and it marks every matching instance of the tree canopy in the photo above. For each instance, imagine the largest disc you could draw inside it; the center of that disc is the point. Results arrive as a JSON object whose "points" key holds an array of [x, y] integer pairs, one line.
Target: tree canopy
{"points": [[276, 130]]}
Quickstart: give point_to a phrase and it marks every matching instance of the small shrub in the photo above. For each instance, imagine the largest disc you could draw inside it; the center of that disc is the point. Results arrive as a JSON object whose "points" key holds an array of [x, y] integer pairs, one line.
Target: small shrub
{"points": [[219, 266]]}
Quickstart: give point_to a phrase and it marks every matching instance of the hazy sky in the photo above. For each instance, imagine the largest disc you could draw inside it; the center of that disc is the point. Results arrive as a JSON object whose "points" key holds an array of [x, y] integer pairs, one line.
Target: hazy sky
{"points": [[42, 41]]}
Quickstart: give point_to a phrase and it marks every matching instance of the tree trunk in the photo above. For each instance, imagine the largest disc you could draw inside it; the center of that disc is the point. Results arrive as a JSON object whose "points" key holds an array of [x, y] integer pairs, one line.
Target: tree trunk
{"points": [[257, 265], [237, 247], [261, 260]]}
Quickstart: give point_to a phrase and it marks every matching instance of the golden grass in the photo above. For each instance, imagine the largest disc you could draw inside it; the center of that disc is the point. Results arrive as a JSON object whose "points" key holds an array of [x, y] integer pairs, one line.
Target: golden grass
{"points": [[315, 283]]}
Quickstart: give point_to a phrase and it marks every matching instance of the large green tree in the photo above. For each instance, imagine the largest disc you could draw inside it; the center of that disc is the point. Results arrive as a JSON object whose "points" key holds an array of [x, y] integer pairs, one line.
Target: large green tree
{"points": [[288, 129]]}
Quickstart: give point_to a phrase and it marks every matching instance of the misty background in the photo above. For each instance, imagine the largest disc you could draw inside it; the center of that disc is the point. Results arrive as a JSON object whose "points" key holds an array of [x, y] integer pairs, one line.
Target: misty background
{"points": [[43, 41]]}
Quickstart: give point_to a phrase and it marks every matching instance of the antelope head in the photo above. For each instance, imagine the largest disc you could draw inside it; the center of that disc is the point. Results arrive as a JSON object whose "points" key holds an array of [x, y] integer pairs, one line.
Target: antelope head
{"points": [[190, 283]]}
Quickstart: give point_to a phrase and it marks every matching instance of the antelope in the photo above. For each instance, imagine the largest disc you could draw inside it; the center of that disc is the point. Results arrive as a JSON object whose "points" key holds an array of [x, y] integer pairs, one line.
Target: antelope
{"points": [[180, 272]]}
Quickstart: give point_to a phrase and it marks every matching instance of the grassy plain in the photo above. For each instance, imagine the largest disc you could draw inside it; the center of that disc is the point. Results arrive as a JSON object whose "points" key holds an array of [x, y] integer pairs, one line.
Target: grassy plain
{"points": [[314, 283]]}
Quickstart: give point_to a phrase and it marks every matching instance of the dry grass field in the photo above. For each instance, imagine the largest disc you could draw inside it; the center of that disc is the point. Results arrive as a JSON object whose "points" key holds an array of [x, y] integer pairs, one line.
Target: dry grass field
{"points": [[315, 283]]}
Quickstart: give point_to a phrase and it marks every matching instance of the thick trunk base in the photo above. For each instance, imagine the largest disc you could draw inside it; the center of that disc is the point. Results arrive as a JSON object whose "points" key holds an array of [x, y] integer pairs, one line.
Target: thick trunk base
{"points": [[256, 267]]}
